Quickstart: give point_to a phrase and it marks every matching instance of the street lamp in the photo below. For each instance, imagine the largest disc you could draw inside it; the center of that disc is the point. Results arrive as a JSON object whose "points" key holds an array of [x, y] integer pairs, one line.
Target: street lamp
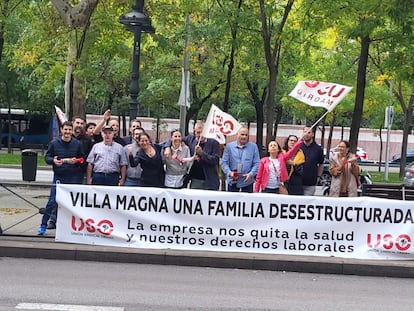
{"points": [[136, 22]]}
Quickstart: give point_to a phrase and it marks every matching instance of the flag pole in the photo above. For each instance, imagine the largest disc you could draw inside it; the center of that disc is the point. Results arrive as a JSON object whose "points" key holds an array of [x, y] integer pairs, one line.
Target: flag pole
{"points": [[183, 105], [319, 120]]}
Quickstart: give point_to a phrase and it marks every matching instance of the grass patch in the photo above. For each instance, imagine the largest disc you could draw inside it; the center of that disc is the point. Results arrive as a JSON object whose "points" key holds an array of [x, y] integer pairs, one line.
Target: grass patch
{"points": [[379, 177], [16, 159]]}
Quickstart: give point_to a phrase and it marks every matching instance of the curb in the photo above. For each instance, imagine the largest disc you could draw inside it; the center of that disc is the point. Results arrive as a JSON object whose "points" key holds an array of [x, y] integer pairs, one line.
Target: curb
{"points": [[18, 183], [47, 248]]}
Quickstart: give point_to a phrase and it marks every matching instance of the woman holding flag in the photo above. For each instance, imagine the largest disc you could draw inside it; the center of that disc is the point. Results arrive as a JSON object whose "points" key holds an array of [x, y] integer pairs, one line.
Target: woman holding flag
{"points": [[272, 173]]}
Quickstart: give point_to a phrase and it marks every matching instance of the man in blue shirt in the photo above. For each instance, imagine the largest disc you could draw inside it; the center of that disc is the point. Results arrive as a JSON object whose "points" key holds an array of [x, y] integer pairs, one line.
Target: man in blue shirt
{"points": [[240, 163]]}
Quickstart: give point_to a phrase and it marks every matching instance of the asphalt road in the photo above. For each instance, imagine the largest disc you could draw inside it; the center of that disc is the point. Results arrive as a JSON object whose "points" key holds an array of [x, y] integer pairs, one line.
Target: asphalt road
{"points": [[123, 287]]}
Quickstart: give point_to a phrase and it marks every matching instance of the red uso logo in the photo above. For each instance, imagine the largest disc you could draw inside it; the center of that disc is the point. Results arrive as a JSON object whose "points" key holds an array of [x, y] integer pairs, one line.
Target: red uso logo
{"points": [[312, 84], [401, 242], [228, 127], [103, 226]]}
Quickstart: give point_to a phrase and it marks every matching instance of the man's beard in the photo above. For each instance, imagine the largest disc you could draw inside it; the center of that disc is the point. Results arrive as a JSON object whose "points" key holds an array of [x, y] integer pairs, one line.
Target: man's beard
{"points": [[78, 131]]}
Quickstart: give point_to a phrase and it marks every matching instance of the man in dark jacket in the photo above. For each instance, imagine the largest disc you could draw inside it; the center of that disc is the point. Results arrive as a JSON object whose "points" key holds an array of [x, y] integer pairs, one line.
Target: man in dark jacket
{"points": [[314, 160], [63, 153], [79, 134], [204, 171]]}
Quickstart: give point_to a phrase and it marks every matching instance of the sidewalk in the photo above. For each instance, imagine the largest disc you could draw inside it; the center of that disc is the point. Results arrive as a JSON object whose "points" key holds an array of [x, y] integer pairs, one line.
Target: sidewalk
{"points": [[19, 218]]}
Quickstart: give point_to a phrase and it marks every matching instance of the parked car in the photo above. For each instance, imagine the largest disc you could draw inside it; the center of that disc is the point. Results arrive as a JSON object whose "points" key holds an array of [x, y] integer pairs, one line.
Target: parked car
{"points": [[396, 159], [409, 175], [360, 152]]}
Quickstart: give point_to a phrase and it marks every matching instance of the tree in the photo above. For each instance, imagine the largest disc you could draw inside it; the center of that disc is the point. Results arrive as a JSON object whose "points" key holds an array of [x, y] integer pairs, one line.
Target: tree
{"points": [[233, 23], [78, 19], [272, 36]]}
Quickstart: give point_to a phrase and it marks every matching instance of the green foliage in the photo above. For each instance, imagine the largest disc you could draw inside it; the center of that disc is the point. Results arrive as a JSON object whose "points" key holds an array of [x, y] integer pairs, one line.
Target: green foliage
{"points": [[320, 42]]}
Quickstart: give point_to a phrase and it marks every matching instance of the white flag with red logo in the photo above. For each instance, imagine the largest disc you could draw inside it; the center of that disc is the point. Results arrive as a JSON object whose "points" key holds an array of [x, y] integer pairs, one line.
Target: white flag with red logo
{"points": [[60, 115], [218, 124], [320, 94]]}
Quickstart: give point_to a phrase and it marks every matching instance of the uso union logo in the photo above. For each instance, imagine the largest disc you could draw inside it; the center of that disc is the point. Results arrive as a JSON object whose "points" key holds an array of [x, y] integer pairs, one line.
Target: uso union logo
{"points": [[388, 241], [104, 226]]}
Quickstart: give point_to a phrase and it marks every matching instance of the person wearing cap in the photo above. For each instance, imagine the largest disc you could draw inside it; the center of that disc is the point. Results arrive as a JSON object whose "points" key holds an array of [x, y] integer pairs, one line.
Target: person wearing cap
{"points": [[107, 161], [113, 122]]}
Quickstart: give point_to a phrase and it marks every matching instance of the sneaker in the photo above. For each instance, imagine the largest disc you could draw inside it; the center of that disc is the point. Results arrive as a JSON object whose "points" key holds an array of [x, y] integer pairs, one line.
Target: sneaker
{"points": [[42, 230], [51, 225]]}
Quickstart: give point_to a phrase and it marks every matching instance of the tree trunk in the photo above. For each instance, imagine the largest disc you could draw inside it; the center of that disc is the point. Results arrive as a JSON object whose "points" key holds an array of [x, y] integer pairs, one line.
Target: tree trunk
{"points": [[258, 104], [3, 17], [74, 18], [69, 79], [1, 38], [272, 56], [79, 97], [279, 112], [230, 67], [408, 116], [270, 101], [360, 93], [77, 16]]}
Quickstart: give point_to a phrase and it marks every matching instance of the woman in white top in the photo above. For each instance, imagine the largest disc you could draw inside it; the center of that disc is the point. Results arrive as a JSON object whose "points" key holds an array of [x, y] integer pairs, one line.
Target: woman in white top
{"points": [[176, 165]]}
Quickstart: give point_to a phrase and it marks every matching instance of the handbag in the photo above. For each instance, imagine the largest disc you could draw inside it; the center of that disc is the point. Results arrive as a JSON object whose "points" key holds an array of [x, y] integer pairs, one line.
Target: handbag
{"points": [[283, 189]]}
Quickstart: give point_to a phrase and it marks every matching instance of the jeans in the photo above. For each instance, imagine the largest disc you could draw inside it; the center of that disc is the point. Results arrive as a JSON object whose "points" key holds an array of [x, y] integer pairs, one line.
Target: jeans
{"points": [[51, 205], [268, 190], [110, 179], [234, 188], [132, 183]]}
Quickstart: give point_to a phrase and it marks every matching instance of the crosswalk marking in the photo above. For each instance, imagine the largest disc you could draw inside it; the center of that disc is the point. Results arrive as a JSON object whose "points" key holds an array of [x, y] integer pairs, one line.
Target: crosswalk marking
{"points": [[64, 307]]}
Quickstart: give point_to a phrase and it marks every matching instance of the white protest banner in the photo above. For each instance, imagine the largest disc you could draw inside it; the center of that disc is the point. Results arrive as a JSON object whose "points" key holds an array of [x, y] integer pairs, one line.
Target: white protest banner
{"points": [[187, 219], [320, 94], [218, 124]]}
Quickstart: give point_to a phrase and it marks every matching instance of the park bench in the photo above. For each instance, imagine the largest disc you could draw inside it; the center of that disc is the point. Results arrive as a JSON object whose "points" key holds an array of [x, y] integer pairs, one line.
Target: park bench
{"points": [[22, 146], [388, 191]]}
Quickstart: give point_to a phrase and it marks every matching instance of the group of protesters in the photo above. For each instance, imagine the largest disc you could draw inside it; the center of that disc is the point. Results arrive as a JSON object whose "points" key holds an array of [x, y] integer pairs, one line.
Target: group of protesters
{"points": [[95, 154]]}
